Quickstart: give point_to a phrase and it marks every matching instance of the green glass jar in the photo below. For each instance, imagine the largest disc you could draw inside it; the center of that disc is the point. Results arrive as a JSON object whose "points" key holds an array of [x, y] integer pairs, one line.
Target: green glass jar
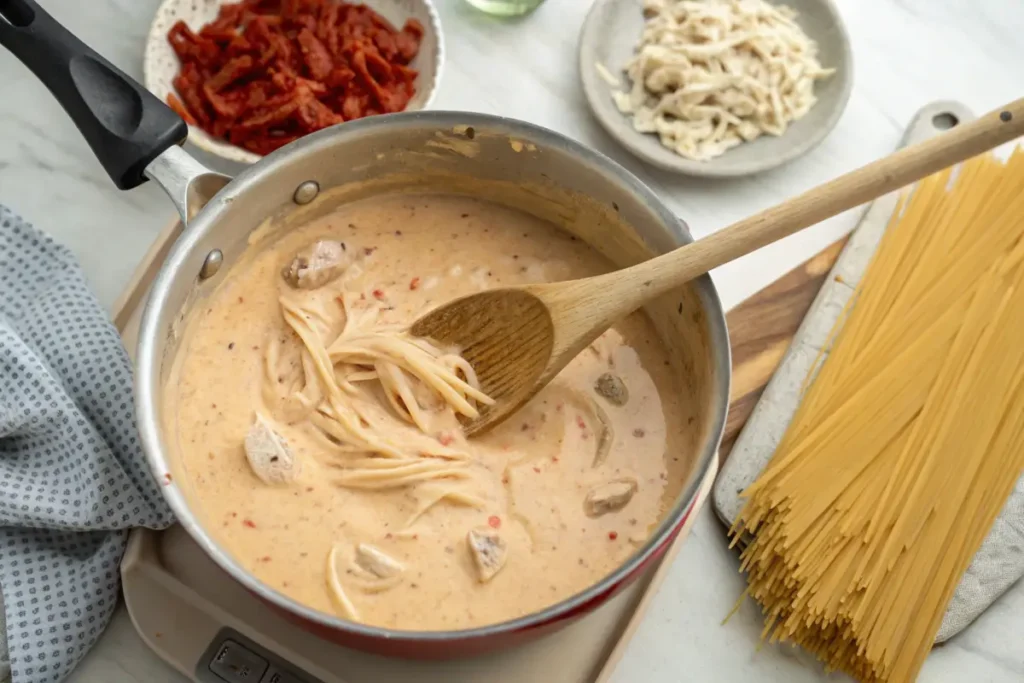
{"points": [[505, 8]]}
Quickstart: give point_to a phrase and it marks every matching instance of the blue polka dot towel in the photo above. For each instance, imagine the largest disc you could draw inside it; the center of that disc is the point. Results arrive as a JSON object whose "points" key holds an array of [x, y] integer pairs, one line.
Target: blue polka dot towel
{"points": [[73, 480]]}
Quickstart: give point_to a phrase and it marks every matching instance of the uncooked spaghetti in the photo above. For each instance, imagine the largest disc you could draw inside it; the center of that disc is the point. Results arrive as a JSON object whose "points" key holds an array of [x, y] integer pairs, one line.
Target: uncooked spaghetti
{"points": [[908, 441]]}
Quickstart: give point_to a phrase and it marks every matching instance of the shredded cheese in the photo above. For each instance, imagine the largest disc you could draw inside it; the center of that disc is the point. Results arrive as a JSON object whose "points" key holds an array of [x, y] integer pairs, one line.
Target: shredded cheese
{"points": [[711, 74]]}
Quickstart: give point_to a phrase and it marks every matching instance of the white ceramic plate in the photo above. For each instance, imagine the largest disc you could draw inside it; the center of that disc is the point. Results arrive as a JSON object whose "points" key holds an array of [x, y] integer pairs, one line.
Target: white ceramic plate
{"points": [[609, 37], [161, 65]]}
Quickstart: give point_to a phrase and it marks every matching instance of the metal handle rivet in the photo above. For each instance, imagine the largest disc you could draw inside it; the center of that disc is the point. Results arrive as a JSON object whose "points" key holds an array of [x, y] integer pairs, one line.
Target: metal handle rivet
{"points": [[214, 260], [306, 192]]}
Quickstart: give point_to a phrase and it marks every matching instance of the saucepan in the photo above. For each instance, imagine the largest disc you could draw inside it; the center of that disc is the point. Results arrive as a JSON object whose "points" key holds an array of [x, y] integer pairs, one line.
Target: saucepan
{"points": [[137, 138]]}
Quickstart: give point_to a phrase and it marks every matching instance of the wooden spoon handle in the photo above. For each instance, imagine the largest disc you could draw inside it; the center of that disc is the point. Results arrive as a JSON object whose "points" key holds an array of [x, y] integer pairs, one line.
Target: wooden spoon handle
{"points": [[658, 275]]}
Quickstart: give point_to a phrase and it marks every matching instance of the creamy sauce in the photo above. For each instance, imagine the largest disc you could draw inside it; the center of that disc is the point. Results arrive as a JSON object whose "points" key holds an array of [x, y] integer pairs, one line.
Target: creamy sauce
{"points": [[534, 471]]}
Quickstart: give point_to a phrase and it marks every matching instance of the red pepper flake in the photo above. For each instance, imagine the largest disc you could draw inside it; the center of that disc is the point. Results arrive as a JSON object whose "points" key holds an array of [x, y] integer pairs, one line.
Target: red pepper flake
{"points": [[612, 535], [580, 422], [415, 537], [378, 294], [167, 479], [249, 523], [241, 300], [494, 521], [265, 558], [234, 514], [554, 458], [414, 284], [445, 438], [537, 470], [504, 479], [369, 250]]}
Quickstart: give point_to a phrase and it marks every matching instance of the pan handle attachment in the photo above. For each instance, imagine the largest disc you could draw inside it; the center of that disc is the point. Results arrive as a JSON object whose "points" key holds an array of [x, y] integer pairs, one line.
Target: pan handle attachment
{"points": [[188, 183], [126, 125]]}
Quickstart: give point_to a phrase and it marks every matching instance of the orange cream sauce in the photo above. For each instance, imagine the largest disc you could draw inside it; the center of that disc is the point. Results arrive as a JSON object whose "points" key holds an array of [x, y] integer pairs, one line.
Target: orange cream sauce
{"points": [[534, 471]]}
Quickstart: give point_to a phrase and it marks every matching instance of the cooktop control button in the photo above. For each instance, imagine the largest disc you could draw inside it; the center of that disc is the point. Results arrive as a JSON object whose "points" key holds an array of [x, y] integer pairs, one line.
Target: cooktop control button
{"points": [[237, 664], [275, 675]]}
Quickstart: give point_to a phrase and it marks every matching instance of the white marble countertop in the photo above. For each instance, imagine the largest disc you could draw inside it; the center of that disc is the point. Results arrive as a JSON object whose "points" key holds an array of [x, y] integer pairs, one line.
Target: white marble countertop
{"points": [[906, 53]]}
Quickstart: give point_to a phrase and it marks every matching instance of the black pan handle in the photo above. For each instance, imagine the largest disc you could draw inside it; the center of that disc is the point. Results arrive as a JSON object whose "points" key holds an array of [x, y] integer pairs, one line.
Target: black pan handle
{"points": [[126, 125]]}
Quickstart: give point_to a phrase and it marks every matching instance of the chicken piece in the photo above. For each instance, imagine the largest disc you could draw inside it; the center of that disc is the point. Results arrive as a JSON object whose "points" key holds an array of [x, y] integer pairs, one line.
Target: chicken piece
{"points": [[612, 388], [268, 454], [317, 264], [609, 497], [489, 552], [376, 562]]}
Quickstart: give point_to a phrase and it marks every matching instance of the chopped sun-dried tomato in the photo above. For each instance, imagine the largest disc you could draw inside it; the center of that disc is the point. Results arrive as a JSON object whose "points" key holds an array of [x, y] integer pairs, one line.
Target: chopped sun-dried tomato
{"points": [[179, 107], [318, 59], [234, 69], [266, 72]]}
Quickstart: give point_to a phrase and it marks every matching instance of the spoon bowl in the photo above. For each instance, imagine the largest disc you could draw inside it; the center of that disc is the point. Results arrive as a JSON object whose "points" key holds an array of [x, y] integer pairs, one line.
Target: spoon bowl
{"points": [[507, 334], [517, 339]]}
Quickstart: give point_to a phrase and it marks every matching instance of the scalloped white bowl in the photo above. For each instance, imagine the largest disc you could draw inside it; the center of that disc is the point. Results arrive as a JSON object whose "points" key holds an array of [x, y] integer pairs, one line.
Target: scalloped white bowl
{"points": [[161, 65]]}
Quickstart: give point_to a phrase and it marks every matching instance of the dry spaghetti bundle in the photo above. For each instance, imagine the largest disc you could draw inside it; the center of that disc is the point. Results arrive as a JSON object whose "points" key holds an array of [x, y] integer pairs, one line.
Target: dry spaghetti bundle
{"points": [[910, 438]]}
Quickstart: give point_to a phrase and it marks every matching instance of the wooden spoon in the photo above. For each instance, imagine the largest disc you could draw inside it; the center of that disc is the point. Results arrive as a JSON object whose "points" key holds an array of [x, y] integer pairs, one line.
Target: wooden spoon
{"points": [[518, 338]]}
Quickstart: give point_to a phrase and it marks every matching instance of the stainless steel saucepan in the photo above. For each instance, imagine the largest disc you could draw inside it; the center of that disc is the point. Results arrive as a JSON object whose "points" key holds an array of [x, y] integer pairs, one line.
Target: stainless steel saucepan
{"points": [[136, 138]]}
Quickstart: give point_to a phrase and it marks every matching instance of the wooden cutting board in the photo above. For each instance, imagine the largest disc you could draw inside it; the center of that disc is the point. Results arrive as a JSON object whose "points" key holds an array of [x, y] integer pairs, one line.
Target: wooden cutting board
{"points": [[760, 330]]}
